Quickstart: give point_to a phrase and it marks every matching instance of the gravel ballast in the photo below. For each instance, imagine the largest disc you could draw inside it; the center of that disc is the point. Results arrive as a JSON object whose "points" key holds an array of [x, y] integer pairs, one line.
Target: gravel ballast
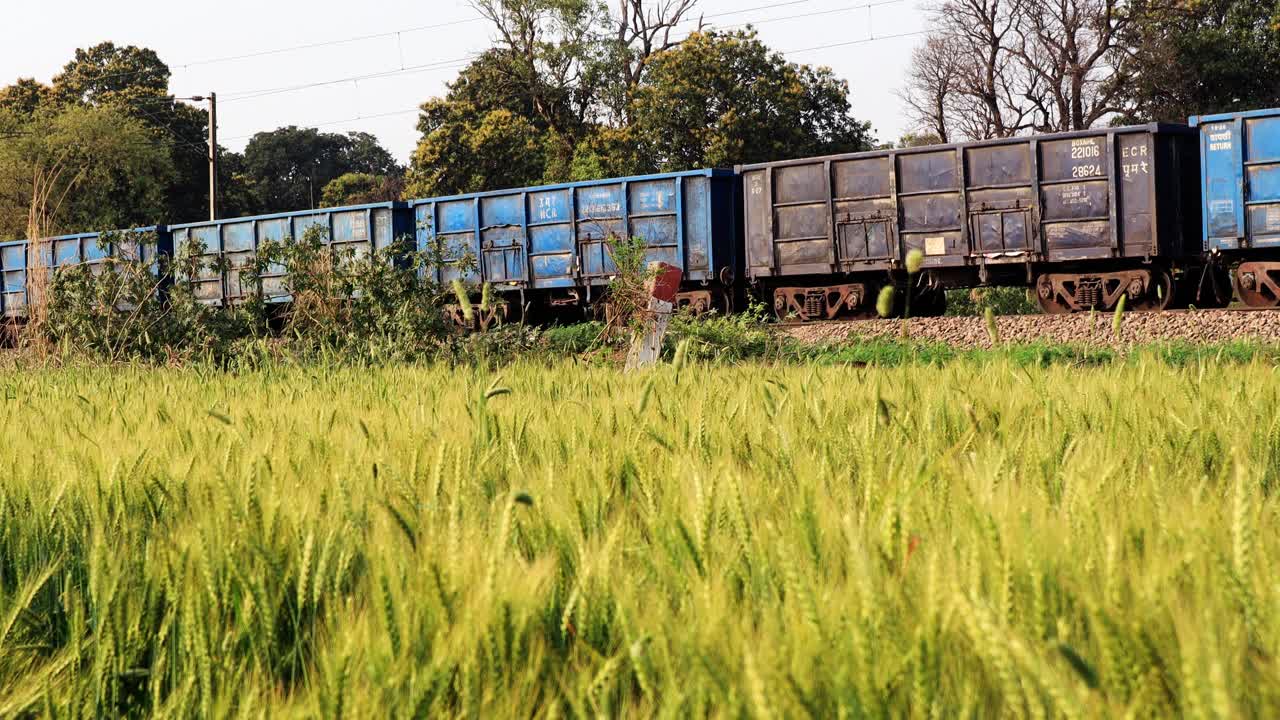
{"points": [[1195, 326]]}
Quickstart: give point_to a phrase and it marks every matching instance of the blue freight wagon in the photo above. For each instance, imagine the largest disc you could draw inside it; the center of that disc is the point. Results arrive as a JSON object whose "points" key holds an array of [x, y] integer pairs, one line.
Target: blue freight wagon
{"points": [[553, 244], [227, 247], [68, 250], [1240, 199]]}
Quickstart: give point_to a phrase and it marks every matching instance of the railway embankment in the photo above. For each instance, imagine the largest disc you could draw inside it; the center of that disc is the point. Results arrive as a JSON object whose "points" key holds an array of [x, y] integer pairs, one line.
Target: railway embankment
{"points": [[1097, 329]]}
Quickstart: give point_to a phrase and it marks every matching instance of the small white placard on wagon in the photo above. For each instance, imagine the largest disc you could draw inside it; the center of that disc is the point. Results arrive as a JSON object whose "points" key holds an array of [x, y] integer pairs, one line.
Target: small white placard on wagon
{"points": [[935, 245]]}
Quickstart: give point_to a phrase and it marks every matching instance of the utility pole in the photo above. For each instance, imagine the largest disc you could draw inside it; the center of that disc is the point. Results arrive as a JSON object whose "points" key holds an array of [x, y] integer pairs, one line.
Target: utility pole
{"points": [[213, 150], [213, 156]]}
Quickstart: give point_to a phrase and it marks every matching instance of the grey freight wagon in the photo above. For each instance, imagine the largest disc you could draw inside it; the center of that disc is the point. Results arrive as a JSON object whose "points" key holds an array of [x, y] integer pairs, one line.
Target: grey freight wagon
{"points": [[1113, 210]]}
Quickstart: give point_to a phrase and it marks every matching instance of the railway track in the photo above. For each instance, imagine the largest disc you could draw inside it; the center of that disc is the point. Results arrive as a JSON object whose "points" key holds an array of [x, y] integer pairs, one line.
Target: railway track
{"points": [[1188, 326], [788, 324]]}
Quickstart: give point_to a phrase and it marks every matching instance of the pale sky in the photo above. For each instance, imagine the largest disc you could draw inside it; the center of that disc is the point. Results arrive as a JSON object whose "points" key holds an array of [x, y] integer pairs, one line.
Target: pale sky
{"points": [[40, 37]]}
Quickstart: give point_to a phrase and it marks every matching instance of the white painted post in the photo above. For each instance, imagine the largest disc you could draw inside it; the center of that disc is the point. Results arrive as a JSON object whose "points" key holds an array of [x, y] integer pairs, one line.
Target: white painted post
{"points": [[646, 344]]}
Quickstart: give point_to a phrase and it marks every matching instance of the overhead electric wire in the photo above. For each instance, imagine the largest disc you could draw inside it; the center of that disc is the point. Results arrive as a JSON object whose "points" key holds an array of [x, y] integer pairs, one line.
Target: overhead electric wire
{"points": [[341, 122], [179, 141], [740, 11], [328, 43], [855, 42], [445, 64], [420, 28], [293, 48], [817, 13], [459, 62], [456, 62], [761, 21], [404, 31], [440, 65]]}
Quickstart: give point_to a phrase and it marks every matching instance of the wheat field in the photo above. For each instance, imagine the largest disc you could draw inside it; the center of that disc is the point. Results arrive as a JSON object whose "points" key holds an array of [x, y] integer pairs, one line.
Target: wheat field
{"points": [[558, 540]]}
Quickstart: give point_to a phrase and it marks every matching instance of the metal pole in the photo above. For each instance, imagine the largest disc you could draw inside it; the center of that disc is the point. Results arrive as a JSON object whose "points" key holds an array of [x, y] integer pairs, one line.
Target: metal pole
{"points": [[213, 156]]}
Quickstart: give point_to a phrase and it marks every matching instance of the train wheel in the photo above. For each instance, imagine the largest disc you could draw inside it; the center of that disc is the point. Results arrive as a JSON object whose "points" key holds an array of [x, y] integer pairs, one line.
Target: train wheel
{"points": [[1146, 290], [1050, 301], [1157, 295], [1256, 283]]}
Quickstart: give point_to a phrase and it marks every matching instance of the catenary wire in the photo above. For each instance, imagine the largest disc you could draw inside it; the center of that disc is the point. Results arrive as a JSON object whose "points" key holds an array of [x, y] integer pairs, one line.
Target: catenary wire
{"points": [[418, 28], [445, 64]]}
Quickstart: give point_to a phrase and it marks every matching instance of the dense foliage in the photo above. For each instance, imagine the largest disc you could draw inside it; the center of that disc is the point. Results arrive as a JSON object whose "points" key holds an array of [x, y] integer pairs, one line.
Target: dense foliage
{"points": [[357, 188], [723, 99], [1202, 56], [345, 304], [997, 68], [290, 168], [79, 167], [713, 100], [149, 159], [697, 541]]}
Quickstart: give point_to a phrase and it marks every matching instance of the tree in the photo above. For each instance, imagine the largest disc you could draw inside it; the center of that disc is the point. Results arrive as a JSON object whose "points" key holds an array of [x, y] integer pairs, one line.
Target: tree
{"points": [[932, 82], [1188, 57], [571, 93], [722, 99], [361, 189], [551, 54], [992, 95], [488, 131], [237, 192], [644, 30], [289, 167], [997, 68], [104, 70], [363, 154], [466, 150], [78, 169], [1070, 49], [911, 140], [136, 82], [25, 96]]}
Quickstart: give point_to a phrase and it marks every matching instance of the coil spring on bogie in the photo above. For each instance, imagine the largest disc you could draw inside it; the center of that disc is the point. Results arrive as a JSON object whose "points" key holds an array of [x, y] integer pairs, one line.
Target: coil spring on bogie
{"points": [[1088, 293], [814, 304]]}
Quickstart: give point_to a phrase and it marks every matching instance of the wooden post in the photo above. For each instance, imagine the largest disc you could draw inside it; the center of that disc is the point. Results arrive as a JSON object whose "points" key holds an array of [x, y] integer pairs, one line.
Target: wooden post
{"points": [[646, 344]]}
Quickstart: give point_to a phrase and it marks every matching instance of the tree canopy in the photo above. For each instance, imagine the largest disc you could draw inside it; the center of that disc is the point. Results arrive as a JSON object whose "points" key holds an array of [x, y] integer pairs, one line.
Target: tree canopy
{"points": [[1194, 57], [632, 102], [718, 100], [360, 189], [125, 89], [994, 68], [291, 166], [77, 168]]}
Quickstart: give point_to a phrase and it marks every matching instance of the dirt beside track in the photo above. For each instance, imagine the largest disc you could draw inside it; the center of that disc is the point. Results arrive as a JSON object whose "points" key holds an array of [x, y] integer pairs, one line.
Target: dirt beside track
{"points": [[1200, 326]]}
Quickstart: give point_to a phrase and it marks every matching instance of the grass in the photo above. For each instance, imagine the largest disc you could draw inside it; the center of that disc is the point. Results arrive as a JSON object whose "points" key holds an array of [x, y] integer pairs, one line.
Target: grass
{"points": [[973, 538]]}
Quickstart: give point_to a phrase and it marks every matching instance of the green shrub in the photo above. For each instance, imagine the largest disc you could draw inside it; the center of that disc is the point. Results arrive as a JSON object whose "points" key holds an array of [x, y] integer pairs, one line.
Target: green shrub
{"points": [[576, 339], [126, 307], [717, 337], [1001, 301]]}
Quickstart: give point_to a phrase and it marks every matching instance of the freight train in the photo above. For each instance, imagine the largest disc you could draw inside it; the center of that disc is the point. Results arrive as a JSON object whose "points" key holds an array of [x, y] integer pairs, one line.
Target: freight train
{"points": [[1164, 215]]}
